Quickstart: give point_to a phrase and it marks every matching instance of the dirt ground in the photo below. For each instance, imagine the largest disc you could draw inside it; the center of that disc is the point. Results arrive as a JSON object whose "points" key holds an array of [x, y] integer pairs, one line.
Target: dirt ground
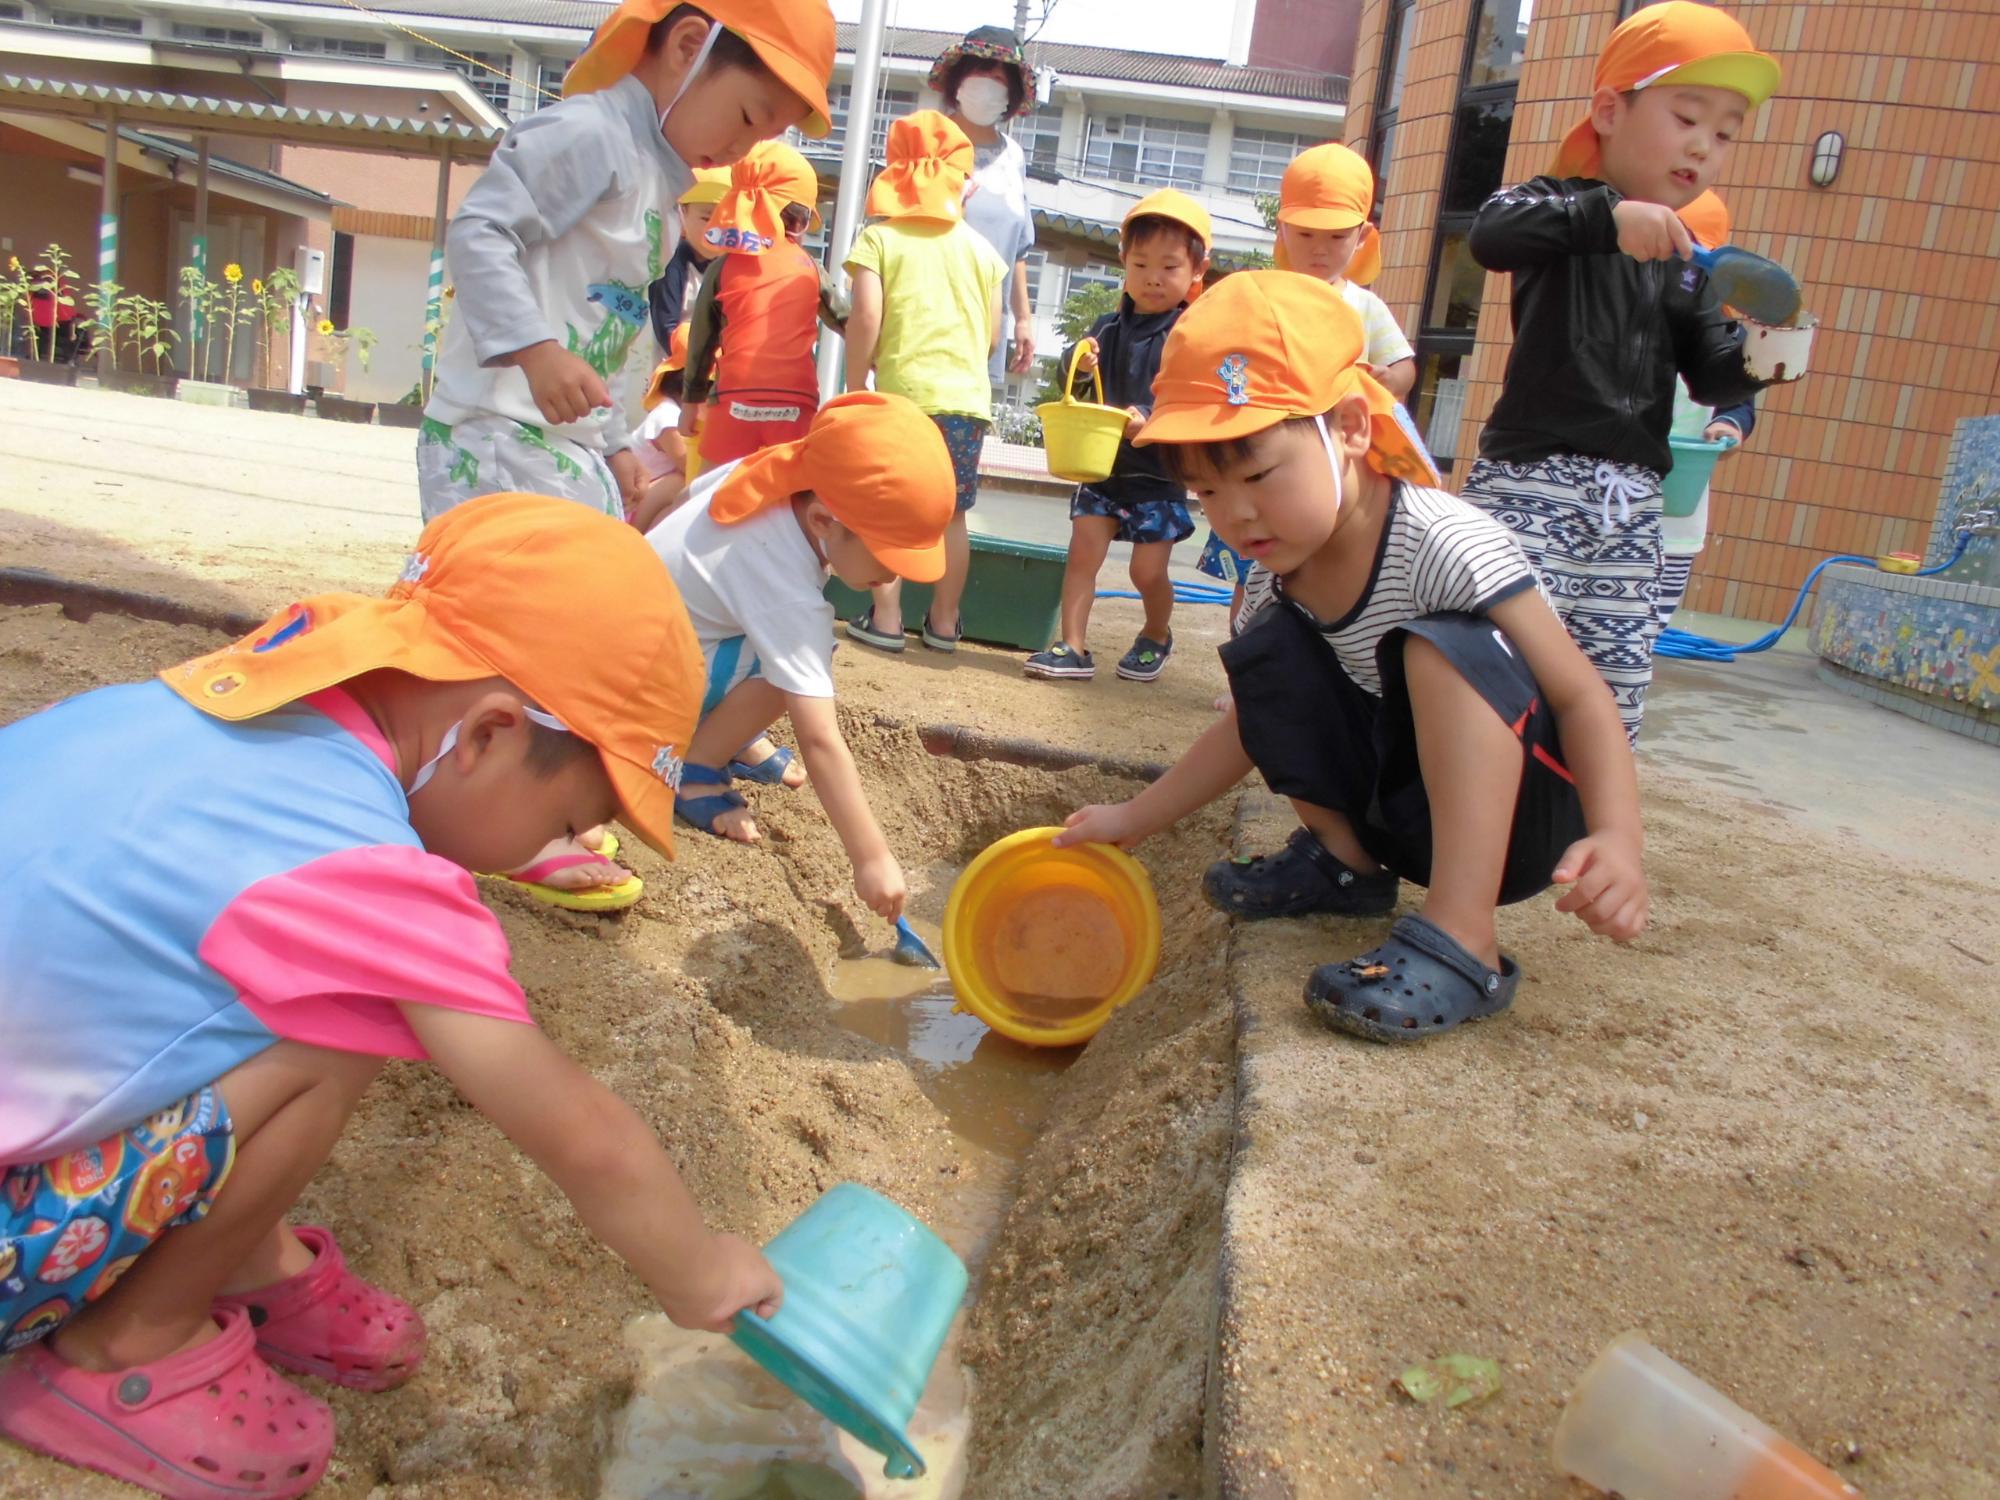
{"points": [[707, 1008]]}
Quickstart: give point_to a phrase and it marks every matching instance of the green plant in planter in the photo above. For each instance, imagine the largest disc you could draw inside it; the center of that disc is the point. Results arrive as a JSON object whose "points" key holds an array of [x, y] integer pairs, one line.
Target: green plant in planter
{"points": [[232, 299], [149, 323], [275, 295], [16, 289], [339, 340], [104, 301], [53, 273], [200, 295]]}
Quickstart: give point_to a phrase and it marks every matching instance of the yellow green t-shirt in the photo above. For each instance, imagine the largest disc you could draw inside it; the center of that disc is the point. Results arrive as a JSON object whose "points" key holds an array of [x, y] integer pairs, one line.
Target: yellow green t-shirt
{"points": [[938, 283]]}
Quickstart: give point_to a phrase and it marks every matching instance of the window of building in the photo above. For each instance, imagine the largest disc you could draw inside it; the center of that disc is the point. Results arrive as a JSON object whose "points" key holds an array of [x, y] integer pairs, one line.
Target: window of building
{"points": [[1146, 149], [485, 71], [548, 82], [1037, 262], [1093, 273], [90, 20], [221, 36], [340, 280], [1258, 158], [1040, 134], [1499, 41], [890, 105], [341, 46], [1397, 35], [1456, 289], [1478, 151]]}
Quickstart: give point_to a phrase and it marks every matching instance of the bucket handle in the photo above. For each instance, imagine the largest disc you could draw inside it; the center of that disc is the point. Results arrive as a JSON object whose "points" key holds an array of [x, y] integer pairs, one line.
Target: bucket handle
{"points": [[1096, 375]]}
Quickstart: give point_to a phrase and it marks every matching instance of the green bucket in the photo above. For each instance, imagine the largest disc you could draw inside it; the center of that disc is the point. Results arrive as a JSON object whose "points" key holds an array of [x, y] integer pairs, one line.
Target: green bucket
{"points": [[1694, 465]]}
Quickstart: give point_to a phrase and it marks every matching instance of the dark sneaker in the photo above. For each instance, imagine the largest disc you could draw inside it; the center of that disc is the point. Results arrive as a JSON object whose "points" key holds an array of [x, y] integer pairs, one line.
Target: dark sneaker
{"points": [[1146, 660], [1059, 663], [862, 628], [1300, 880]]}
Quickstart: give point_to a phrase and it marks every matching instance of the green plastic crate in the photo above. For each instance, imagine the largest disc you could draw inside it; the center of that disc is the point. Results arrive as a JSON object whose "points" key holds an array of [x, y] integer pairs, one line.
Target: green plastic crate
{"points": [[1013, 598]]}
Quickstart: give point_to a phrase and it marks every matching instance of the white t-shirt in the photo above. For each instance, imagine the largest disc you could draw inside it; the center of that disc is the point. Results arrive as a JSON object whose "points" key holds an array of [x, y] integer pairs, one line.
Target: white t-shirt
{"points": [[1386, 345], [666, 417], [759, 580], [1438, 554]]}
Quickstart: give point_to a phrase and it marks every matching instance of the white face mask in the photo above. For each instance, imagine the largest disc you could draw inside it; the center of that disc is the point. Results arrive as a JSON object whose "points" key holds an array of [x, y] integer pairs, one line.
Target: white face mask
{"points": [[429, 768], [707, 46], [983, 100]]}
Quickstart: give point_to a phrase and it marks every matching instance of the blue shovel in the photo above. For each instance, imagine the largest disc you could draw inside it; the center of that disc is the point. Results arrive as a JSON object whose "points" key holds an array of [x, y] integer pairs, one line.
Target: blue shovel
{"points": [[910, 949], [1761, 288]]}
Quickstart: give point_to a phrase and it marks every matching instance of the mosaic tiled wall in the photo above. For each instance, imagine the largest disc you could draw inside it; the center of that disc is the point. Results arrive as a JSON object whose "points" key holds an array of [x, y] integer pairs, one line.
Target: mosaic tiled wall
{"points": [[1922, 634], [1971, 482]]}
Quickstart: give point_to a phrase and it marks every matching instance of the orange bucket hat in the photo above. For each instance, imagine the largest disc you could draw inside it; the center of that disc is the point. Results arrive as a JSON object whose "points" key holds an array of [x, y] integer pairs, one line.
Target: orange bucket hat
{"points": [[929, 160], [1676, 41], [676, 361], [750, 217], [1330, 187], [793, 38], [515, 586], [1264, 346], [877, 463], [1173, 204], [1707, 219]]}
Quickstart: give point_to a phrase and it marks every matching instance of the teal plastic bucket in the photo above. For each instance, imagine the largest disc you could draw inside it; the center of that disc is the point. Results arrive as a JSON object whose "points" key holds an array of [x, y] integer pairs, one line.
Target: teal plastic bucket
{"points": [[869, 1297], [1694, 463]]}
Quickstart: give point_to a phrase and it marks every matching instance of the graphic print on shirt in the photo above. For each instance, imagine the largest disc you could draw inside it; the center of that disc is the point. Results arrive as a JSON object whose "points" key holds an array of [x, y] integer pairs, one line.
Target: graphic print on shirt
{"points": [[656, 258], [464, 465], [625, 313]]}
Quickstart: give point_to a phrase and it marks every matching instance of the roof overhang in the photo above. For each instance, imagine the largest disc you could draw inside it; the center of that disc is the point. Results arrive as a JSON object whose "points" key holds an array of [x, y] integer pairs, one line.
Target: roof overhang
{"points": [[165, 161]]}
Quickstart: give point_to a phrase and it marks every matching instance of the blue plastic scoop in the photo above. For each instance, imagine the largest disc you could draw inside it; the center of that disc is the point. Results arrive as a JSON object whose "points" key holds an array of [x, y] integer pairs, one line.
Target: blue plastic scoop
{"points": [[910, 949], [1760, 288]]}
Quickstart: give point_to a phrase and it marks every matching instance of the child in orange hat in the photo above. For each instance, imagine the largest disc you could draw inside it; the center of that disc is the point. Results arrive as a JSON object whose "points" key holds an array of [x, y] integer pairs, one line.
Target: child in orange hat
{"points": [[1398, 673], [553, 251], [926, 319], [1609, 312], [231, 892], [752, 329], [1163, 244], [865, 495], [668, 458]]}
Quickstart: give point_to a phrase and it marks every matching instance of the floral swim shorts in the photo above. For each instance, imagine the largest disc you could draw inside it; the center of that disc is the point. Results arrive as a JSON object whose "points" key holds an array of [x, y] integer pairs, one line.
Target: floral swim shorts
{"points": [[71, 1226]]}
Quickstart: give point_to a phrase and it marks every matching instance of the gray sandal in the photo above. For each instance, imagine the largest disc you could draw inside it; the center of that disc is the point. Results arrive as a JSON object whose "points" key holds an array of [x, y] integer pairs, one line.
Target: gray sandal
{"points": [[1418, 984]]}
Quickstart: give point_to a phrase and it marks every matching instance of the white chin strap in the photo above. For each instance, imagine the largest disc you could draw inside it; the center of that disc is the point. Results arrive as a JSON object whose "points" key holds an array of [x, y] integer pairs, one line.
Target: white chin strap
{"points": [[1333, 458], [429, 768], [707, 46]]}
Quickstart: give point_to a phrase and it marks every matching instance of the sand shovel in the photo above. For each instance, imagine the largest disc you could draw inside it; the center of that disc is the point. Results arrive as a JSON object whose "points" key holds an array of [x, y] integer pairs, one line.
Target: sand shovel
{"points": [[1761, 288], [910, 949]]}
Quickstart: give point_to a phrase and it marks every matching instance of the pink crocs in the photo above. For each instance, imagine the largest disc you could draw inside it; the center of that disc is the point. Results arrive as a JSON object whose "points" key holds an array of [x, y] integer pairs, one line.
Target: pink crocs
{"points": [[326, 1321], [215, 1423]]}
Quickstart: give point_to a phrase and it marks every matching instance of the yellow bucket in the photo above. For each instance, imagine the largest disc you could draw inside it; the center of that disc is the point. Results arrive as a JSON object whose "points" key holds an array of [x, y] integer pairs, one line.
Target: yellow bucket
{"points": [[1081, 437], [1043, 944]]}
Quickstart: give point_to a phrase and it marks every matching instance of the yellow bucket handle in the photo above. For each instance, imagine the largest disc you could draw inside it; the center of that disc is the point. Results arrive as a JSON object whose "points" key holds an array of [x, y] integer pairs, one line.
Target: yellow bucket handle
{"points": [[1096, 374]]}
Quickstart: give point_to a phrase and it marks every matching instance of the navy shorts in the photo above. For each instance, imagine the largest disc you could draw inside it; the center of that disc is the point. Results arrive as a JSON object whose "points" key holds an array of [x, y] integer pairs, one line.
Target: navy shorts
{"points": [[963, 438], [1319, 736], [1139, 521]]}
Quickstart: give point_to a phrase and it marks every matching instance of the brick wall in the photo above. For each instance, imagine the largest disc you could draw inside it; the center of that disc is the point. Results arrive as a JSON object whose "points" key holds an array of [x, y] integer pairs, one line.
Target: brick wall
{"points": [[1900, 259]]}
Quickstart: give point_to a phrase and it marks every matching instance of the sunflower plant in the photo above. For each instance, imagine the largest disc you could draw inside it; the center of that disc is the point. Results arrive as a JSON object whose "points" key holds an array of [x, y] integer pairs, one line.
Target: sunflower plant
{"points": [[274, 297], [232, 276], [200, 294], [16, 287], [105, 301]]}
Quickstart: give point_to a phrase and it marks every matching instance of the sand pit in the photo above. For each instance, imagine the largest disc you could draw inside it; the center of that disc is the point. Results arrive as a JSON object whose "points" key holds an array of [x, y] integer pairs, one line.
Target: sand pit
{"points": [[708, 1007]]}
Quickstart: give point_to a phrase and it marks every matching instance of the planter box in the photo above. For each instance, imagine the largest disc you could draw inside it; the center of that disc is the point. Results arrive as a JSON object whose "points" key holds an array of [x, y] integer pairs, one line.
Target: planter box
{"points": [[10, 367], [399, 414], [264, 399], [340, 409], [207, 393], [41, 372], [139, 383], [1012, 598]]}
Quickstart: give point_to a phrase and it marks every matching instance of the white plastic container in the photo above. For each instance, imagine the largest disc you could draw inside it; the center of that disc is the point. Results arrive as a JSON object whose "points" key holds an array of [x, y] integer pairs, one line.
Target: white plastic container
{"points": [[1778, 353], [1642, 1427]]}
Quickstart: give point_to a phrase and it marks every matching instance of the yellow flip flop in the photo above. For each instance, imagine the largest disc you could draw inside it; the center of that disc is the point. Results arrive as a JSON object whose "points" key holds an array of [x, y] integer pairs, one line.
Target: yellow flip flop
{"points": [[590, 898]]}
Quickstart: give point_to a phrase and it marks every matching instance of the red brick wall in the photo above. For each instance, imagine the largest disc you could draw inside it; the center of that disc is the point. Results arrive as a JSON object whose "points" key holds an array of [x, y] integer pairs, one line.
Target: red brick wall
{"points": [[1900, 259], [1313, 36]]}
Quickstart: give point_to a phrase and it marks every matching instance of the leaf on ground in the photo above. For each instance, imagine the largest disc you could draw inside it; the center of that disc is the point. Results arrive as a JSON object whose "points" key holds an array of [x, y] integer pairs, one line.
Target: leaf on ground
{"points": [[1460, 1378]]}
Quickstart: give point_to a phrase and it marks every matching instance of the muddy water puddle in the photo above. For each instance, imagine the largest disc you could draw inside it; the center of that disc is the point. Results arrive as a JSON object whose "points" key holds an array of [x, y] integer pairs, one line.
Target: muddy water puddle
{"points": [[706, 1423]]}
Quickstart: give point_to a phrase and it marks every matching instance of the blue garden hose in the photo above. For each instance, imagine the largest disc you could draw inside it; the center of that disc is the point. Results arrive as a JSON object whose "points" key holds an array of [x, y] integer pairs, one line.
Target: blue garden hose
{"points": [[1184, 593], [1682, 645]]}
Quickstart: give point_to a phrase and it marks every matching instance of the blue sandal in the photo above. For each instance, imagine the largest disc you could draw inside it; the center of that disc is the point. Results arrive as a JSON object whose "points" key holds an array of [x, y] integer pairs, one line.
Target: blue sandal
{"points": [[770, 771], [701, 812], [1418, 984]]}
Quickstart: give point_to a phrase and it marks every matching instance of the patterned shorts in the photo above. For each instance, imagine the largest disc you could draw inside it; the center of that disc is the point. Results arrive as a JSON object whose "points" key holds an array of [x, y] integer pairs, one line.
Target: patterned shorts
{"points": [[72, 1226], [1220, 560], [497, 456], [1139, 521], [963, 438]]}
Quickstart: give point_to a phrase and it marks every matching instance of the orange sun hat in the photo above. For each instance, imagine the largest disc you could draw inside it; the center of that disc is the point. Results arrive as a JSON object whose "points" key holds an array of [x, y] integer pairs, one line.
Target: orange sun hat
{"points": [[1262, 347], [929, 160], [1174, 205], [1707, 219], [710, 184], [877, 463], [522, 587], [793, 38], [749, 218], [1330, 187], [1674, 42]]}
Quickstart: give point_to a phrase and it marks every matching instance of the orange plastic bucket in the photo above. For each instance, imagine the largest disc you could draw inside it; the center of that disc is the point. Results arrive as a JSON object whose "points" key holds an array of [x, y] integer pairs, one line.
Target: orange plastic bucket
{"points": [[1043, 944]]}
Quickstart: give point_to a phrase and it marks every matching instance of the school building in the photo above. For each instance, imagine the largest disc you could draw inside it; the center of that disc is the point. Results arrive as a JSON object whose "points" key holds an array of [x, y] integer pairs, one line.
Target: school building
{"points": [[1111, 125], [1874, 176]]}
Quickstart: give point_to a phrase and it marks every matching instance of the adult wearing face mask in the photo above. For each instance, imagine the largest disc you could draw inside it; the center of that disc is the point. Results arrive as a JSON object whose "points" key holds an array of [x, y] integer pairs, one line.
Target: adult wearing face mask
{"points": [[984, 82]]}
